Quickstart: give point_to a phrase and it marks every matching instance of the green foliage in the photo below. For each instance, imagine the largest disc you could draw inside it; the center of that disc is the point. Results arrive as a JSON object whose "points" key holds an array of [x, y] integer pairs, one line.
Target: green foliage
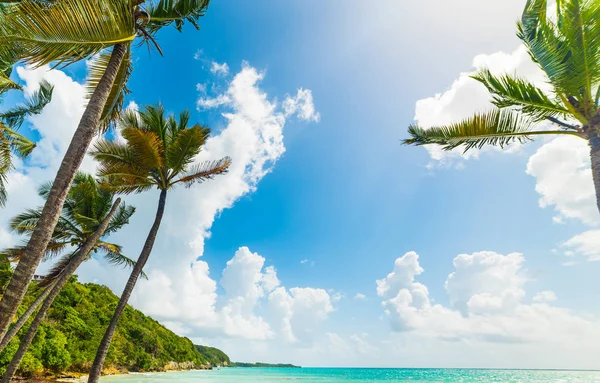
{"points": [[55, 356], [215, 356], [68, 339], [30, 365]]}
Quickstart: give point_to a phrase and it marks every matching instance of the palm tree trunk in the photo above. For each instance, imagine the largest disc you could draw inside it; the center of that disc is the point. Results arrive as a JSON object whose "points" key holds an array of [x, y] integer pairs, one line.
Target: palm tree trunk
{"points": [[96, 370], [30, 310], [594, 140], [42, 233], [60, 283]]}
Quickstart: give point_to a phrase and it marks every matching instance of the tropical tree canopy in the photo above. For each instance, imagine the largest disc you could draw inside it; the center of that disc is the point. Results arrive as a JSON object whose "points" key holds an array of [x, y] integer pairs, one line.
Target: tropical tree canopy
{"points": [[565, 44], [85, 207], [158, 152]]}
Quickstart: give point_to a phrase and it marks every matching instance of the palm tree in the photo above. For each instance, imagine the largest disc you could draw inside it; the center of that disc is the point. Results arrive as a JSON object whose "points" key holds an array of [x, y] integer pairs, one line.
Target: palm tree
{"points": [[566, 47], [63, 32], [11, 120], [89, 214], [158, 153], [85, 207]]}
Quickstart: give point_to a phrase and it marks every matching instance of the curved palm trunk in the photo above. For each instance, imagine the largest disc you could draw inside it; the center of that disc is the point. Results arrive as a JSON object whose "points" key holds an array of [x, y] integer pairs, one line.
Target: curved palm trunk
{"points": [[594, 141], [30, 310], [96, 370], [60, 283], [73, 157]]}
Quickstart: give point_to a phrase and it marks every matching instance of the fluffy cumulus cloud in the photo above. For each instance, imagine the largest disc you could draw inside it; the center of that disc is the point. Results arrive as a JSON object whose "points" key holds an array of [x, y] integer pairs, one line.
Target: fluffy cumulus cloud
{"points": [[563, 176], [487, 303]]}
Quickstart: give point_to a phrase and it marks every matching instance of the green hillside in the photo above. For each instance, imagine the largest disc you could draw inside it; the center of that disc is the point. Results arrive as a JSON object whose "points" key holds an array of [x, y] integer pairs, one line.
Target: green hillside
{"points": [[67, 341]]}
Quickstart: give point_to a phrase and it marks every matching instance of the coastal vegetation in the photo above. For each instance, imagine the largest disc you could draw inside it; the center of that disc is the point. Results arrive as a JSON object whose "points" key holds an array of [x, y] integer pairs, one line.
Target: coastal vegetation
{"points": [[67, 340], [565, 45]]}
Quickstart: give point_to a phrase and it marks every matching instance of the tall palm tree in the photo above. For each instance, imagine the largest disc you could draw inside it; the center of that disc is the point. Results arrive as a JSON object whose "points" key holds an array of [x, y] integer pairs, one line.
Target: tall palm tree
{"points": [[90, 213], [85, 207], [11, 120], [566, 46], [63, 32], [158, 152]]}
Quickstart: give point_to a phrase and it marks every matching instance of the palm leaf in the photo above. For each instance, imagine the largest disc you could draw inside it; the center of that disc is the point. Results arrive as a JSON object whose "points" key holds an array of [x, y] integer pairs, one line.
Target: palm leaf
{"points": [[579, 23], [116, 97], [112, 253], [497, 128], [205, 171], [34, 104], [508, 91], [65, 31], [120, 218], [146, 146], [19, 144], [175, 12], [7, 84], [185, 146]]}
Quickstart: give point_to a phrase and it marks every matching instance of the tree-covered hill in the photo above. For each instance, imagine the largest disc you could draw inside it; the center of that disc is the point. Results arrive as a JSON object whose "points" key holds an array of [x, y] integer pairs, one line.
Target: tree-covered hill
{"points": [[68, 339]]}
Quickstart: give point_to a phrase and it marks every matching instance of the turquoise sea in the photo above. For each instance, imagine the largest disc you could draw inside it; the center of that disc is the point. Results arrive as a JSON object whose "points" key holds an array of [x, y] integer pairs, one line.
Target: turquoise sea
{"points": [[350, 375]]}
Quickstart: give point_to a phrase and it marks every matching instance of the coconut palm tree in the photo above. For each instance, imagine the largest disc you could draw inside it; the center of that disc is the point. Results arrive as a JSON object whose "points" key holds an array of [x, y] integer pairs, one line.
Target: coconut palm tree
{"points": [[158, 152], [566, 46], [90, 213], [85, 207], [11, 142], [64, 32]]}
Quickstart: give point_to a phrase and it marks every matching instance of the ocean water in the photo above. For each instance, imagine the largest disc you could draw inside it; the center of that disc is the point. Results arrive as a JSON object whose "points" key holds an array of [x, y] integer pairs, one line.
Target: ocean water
{"points": [[350, 375]]}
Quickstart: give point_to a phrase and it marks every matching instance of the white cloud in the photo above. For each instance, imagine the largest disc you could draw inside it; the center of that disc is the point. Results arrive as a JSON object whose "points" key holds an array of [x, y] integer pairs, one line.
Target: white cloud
{"points": [[405, 270], [545, 296], [302, 105], [564, 179], [219, 69], [586, 244], [360, 297], [487, 305]]}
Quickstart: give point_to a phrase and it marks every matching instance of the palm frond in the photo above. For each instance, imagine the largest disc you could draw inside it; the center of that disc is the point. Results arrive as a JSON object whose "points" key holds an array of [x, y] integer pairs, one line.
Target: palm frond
{"points": [[66, 31], [534, 11], [13, 254], [548, 49], [120, 218], [496, 128], [115, 258], [204, 171], [7, 84], [34, 104], [20, 145], [508, 91], [116, 97], [175, 12], [146, 146], [185, 146]]}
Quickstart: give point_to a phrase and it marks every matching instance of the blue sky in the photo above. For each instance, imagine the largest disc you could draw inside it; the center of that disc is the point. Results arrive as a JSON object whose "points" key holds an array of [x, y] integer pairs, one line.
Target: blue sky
{"points": [[346, 200]]}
